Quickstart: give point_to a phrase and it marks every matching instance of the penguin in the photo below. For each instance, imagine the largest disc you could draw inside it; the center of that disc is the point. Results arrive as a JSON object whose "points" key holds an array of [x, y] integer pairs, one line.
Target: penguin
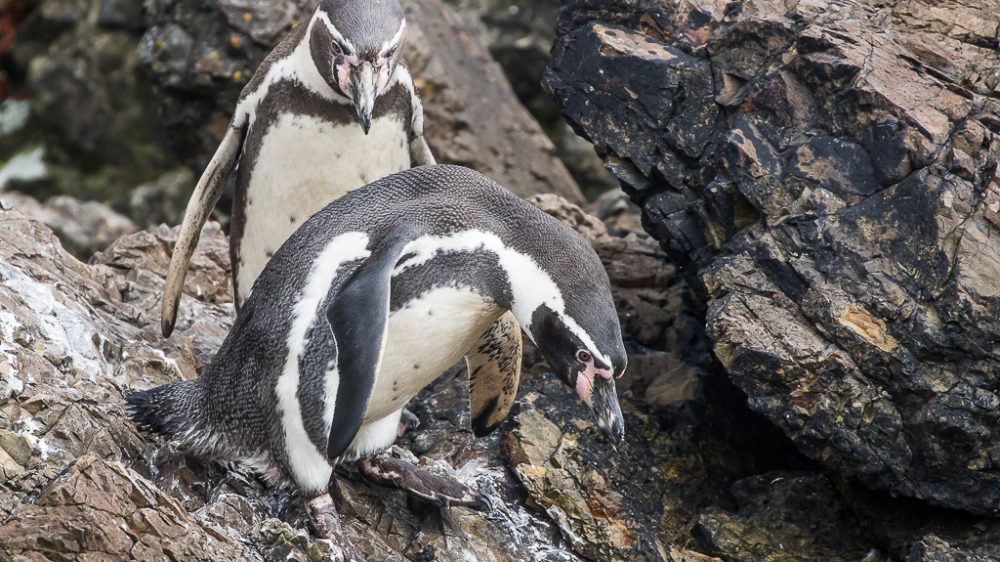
{"points": [[330, 109], [371, 300]]}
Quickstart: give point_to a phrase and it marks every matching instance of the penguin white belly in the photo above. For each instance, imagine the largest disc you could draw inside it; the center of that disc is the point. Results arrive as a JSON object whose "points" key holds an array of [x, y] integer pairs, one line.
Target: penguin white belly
{"points": [[426, 337], [303, 164]]}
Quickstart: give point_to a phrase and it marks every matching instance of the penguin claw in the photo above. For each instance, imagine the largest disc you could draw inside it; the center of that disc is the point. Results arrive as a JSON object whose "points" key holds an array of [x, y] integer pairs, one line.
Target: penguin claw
{"points": [[387, 470], [326, 522]]}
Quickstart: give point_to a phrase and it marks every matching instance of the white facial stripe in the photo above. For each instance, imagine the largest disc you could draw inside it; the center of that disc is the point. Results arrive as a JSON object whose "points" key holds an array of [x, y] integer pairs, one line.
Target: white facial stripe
{"points": [[531, 286], [298, 66], [394, 42], [309, 465], [584, 337], [323, 17]]}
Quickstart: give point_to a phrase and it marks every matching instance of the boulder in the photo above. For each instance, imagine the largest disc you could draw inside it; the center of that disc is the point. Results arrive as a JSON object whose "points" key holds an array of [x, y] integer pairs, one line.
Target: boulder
{"points": [[100, 508], [827, 174]]}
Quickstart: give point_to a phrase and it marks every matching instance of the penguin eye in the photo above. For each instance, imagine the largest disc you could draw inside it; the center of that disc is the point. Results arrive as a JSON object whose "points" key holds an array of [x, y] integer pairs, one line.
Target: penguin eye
{"points": [[337, 49], [583, 357]]}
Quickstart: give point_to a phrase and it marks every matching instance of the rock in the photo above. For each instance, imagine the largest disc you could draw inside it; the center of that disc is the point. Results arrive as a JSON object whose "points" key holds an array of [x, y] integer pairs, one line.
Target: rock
{"points": [[519, 36], [82, 227], [17, 447], [826, 174], [933, 549], [9, 468], [904, 526], [92, 110], [163, 200], [784, 517], [472, 115], [589, 513], [636, 502], [103, 510], [279, 542]]}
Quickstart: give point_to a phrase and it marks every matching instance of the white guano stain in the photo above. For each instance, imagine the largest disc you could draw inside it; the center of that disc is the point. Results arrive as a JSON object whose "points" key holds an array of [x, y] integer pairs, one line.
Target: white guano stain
{"points": [[64, 332]]}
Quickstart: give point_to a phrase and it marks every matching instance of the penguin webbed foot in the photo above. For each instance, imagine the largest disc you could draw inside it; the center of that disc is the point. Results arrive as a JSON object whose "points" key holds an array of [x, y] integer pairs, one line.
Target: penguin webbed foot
{"points": [[387, 470], [325, 522]]}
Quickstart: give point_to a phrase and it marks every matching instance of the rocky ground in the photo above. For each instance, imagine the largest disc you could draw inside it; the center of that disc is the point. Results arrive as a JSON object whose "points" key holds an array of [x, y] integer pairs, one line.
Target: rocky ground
{"points": [[816, 378], [79, 482]]}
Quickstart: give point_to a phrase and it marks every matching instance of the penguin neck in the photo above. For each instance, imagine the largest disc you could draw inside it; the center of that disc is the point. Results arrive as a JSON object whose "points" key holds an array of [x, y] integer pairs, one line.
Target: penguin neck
{"points": [[512, 278]]}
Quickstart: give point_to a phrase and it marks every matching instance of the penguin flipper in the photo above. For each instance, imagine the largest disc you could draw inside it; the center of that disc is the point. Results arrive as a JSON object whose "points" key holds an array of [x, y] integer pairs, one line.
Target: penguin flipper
{"points": [[358, 317], [494, 365], [420, 152], [206, 194]]}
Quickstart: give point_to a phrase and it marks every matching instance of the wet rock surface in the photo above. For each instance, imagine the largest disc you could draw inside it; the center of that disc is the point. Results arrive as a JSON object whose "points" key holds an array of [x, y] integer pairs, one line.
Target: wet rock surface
{"points": [[827, 173]]}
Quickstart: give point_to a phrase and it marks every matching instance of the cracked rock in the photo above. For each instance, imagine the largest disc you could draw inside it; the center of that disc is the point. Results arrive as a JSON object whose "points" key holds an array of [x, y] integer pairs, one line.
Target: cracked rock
{"points": [[827, 173]]}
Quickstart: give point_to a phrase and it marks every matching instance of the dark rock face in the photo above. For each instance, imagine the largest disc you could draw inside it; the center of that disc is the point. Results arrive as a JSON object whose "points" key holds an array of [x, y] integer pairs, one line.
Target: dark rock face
{"points": [[830, 169], [80, 99], [824, 529]]}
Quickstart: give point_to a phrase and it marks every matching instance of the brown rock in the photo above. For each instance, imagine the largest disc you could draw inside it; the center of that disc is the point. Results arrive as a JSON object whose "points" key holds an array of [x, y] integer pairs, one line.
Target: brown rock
{"points": [[101, 509], [472, 115], [586, 510], [766, 529], [82, 227]]}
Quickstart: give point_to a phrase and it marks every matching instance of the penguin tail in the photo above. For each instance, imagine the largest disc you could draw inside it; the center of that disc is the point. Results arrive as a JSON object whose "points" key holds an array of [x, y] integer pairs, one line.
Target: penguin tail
{"points": [[164, 409]]}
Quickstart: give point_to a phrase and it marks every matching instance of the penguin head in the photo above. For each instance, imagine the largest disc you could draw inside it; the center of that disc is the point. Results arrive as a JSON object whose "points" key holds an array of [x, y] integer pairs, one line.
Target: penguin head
{"points": [[356, 46], [579, 336]]}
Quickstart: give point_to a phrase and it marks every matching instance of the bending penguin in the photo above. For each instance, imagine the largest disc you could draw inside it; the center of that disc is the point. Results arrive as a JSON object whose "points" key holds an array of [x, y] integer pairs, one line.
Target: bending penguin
{"points": [[371, 300], [329, 110]]}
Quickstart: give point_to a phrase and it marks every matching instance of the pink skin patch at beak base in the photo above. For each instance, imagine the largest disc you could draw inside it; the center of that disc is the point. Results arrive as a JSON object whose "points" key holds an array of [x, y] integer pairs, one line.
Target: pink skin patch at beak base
{"points": [[344, 72], [585, 380]]}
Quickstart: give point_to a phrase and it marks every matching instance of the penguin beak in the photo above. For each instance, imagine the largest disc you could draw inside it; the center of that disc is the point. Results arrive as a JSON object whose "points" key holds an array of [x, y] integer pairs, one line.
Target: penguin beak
{"points": [[604, 403], [600, 394], [364, 88]]}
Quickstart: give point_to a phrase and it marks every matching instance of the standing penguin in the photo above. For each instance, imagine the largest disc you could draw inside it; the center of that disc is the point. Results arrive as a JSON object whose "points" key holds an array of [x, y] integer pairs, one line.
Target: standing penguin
{"points": [[329, 110], [367, 303]]}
